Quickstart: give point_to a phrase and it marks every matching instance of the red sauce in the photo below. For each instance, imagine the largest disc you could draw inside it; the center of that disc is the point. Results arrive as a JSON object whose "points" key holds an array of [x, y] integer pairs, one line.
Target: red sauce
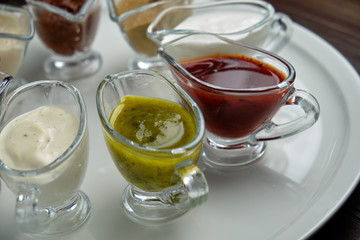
{"points": [[229, 114]]}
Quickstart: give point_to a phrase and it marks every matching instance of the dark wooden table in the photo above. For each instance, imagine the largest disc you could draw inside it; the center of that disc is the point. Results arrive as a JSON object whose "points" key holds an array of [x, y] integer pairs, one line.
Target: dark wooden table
{"points": [[338, 22]]}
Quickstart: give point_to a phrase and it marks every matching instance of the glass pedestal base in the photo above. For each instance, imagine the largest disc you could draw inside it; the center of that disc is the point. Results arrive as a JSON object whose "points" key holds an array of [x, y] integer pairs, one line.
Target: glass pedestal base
{"points": [[54, 220], [74, 67], [148, 208], [150, 63], [215, 158]]}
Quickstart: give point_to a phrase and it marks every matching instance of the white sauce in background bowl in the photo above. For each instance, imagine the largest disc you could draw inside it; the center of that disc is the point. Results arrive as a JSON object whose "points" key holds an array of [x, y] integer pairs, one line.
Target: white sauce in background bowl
{"points": [[11, 49], [221, 22]]}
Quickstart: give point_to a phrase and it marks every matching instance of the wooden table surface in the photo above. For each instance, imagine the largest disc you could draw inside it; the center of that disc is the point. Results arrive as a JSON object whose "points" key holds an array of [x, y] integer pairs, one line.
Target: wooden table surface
{"points": [[338, 22]]}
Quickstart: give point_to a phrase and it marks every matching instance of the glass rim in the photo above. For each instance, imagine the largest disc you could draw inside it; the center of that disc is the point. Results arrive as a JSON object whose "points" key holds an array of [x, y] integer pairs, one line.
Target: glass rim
{"points": [[82, 129], [200, 122], [59, 11], [267, 6], [287, 82], [119, 18], [24, 11]]}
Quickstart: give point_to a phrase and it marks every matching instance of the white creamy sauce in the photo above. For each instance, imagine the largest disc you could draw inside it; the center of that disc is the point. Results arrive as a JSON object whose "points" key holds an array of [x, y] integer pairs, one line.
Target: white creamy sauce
{"points": [[221, 22], [230, 24], [11, 50], [37, 138]]}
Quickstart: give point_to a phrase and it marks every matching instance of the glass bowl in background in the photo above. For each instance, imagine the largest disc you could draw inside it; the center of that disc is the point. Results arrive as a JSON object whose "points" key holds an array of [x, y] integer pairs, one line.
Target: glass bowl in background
{"points": [[252, 22], [16, 30], [69, 35], [133, 18]]}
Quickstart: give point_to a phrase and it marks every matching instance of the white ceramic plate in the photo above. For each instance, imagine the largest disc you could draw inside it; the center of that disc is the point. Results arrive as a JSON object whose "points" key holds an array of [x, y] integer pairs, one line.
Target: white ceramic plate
{"points": [[298, 185]]}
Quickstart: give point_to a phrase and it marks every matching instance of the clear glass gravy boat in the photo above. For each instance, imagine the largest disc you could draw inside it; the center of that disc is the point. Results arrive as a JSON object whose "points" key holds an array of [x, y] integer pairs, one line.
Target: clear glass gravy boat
{"points": [[251, 22]]}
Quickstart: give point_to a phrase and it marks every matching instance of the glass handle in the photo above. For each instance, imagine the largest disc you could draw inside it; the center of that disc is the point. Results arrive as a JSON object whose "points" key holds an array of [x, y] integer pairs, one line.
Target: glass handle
{"points": [[280, 32], [28, 217], [307, 103], [195, 187]]}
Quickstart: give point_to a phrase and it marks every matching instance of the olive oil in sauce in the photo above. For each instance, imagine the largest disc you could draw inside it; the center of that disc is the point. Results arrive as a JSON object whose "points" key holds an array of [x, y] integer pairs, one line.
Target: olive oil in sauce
{"points": [[153, 122]]}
